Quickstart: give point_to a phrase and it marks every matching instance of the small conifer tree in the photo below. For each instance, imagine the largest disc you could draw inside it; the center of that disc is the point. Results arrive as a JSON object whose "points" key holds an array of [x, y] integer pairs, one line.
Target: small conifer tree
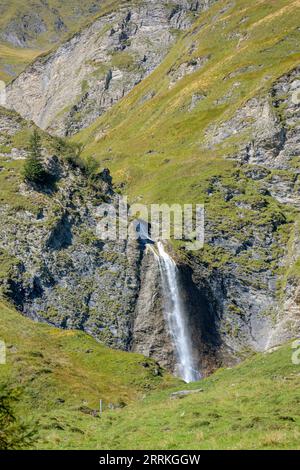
{"points": [[34, 170]]}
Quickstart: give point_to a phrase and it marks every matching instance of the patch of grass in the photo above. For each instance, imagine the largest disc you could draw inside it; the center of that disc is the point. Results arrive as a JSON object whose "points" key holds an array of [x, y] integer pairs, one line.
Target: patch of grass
{"points": [[13, 60], [64, 372], [10, 181], [295, 271], [124, 61], [7, 262], [252, 406]]}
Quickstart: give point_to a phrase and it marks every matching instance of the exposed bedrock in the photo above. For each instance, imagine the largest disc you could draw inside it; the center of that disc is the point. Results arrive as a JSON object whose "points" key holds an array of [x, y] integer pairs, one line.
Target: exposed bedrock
{"points": [[69, 88]]}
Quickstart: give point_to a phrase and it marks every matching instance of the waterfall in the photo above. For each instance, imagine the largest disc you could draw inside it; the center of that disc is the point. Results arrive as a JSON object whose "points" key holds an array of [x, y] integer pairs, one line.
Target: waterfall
{"points": [[175, 316]]}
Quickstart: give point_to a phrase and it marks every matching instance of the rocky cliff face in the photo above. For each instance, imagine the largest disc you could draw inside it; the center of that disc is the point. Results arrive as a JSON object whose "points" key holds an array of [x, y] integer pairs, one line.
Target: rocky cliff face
{"points": [[254, 293], [150, 334], [55, 269], [68, 89], [61, 273], [242, 289]]}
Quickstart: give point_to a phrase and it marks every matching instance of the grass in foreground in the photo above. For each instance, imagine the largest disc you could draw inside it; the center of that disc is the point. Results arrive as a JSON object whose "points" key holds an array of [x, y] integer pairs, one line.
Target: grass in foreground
{"points": [[64, 374], [252, 406]]}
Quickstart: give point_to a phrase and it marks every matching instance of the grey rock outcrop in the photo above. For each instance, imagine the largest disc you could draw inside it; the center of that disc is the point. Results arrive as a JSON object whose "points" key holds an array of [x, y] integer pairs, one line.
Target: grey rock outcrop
{"points": [[62, 273], [21, 31], [43, 24], [150, 332], [255, 293], [185, 393], [68, 89]]}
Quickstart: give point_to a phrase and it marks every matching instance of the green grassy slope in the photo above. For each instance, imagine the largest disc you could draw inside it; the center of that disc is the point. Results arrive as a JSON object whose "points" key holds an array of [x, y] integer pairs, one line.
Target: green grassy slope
{"points": [[15, 59], [61, 371], [73, 13], [254, 405], [156, 144]]}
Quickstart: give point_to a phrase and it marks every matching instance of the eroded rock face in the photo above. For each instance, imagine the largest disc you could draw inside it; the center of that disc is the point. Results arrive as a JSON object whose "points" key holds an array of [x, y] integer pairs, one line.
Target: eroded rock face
{"points": [[256, 304], [61, 272], [186, 68], [273, 123], [68, 89], [21, 31], [150, 335], [65, 276]]}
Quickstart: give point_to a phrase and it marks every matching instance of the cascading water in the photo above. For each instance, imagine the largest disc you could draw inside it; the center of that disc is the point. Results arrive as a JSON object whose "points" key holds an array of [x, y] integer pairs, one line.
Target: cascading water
{"points": [[175, 315]]}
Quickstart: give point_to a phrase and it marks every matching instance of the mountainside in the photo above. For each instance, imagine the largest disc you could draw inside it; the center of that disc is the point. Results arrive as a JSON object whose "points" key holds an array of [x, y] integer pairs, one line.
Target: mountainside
{"points": [[215, 123], [171, 101], [62, 375], [218, 123], [29, 28], [61, 273], [68, 89]]}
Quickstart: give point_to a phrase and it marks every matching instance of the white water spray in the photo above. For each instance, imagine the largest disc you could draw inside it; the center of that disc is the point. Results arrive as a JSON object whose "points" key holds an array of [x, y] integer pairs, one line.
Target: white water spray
{"points": [[175, 315]]}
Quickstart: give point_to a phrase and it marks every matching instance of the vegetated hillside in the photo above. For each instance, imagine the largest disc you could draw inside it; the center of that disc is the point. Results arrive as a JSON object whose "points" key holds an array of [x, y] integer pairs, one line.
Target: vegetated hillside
{"points": [[62, 375], [31, 27], [13, 60], [218, 122], [67, 89], [54, 267], [252, 406], [165, 128]]}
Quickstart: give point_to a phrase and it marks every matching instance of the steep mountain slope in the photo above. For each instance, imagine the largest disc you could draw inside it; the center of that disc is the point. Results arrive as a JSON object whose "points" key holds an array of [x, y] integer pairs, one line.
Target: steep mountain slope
{"points": [[31, 27], [232, 53], [55, 269], [72, 86], [218, 123]]}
